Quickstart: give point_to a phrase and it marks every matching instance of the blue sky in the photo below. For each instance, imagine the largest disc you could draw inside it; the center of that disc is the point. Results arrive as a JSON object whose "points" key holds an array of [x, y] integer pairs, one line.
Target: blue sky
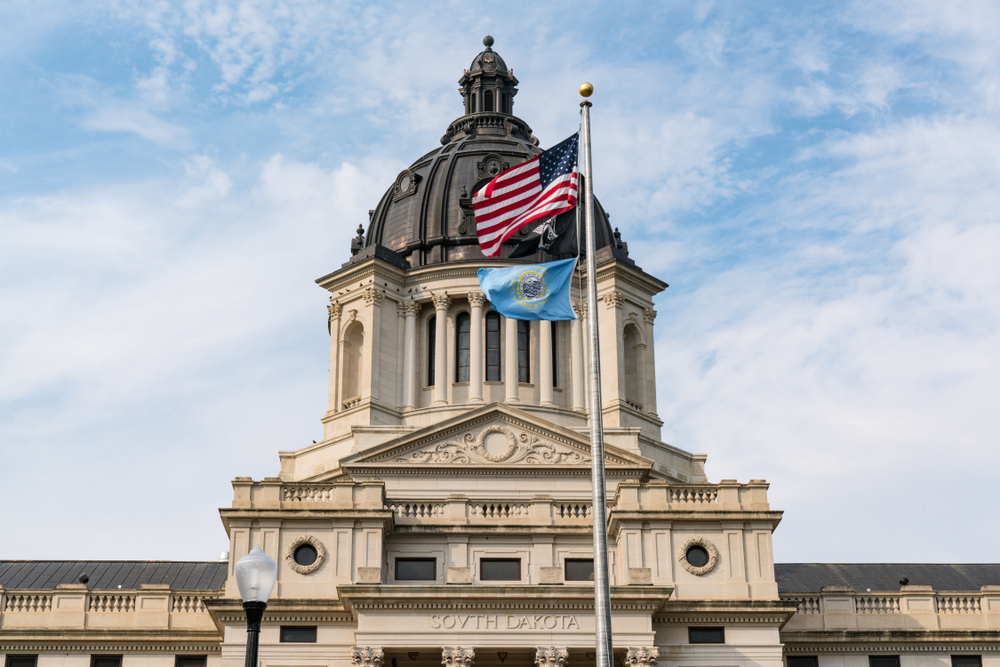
{"points": [[818, 182]]}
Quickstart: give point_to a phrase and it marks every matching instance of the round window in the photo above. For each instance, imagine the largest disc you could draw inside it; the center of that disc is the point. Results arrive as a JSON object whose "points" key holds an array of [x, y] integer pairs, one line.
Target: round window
{"points": [[404, 183], [305, 554], [697, 556]]}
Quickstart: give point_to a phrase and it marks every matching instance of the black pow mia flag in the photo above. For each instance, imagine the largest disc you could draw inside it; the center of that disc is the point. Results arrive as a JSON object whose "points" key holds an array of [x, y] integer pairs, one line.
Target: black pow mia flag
{"points": [[556, 236]]}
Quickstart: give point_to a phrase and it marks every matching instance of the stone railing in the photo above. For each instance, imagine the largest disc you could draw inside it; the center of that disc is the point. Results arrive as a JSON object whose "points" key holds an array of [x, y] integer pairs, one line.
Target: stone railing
{"points": [[838, 608], [461, 510], [272, 493], [727, 495], [75, 606]]}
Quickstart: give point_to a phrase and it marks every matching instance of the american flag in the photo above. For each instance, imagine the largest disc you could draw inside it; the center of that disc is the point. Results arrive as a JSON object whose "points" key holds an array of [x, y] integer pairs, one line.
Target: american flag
{"points": [[542, 187]]}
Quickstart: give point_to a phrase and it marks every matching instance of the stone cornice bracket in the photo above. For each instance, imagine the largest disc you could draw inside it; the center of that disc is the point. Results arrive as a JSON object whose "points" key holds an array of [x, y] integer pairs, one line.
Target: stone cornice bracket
{"points": [[641, 656], [476, 299], [649, 315], [373, 295], [367, 656], [457, 656], [614, 299], [441, 301], [551, 656], [413, 307]]}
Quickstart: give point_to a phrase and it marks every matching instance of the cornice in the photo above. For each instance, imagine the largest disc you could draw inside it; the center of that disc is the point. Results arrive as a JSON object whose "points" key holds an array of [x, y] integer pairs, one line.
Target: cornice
{"points": [[125, 640], [890, 641], [373, 267], [616, 517], [633, 276], [104, 647]]}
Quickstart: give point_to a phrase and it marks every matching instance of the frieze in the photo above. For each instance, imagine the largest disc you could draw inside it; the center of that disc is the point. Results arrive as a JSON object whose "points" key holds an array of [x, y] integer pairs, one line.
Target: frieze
{"points": [[497, 444], [485, 622]]}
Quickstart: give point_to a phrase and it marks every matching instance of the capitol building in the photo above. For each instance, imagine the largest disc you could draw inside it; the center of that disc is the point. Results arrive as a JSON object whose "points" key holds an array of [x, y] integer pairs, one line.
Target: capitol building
{"points": [[445, 517]]}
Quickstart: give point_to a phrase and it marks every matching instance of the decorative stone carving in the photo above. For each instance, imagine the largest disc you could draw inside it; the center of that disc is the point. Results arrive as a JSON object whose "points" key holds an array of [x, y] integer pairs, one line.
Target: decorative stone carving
{"points": [[298, 542], [401, 308], [580, 309], [614, 299], [491, 166], [441, 301], [412, 307], [457, 656], [497, 444], [405, 185], [367, 656], [713, 556], [649, 315], [641, 656], [373, 295], [477, 299], [551, 656], [333, 309]]}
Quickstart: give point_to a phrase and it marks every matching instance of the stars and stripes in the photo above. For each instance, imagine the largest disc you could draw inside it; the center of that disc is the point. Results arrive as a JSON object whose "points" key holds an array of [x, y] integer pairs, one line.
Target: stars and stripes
{"points": [[544, 186]]}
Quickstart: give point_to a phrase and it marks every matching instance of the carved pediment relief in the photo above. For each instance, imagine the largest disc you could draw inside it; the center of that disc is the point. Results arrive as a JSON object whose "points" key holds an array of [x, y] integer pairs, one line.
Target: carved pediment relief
{"points": [[497, 444]]}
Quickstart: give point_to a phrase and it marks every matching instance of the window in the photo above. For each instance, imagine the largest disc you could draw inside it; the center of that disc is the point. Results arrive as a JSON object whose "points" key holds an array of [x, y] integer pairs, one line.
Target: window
{"points": [[488, 100], [697, 556], [500, 569], [503, 103], [883, 661], [630, 342], [354, 341], [966, 661], [462, 323], [431, 345], [105, 661], [22, 660], [555, 356], [473, 109], [191, 661], [304, 555], [296, 634], [706, 636], [803, 661], [492, 347], [416, 569], [523, 357], [579, 569]]}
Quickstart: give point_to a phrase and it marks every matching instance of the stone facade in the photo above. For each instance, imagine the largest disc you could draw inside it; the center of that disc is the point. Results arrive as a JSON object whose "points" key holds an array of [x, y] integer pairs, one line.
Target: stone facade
{"points": [[445, 516]]}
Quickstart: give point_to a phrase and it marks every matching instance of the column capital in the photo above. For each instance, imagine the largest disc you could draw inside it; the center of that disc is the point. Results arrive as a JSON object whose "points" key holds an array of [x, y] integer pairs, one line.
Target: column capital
{"points": [[441, 301], [580, 309], [641, 656], [334, 309], [551, 656], [649, 315], [476, 299], [373, 295], [457, 656], [367, 656], [614, 299], [401, 308], [412, 307]]}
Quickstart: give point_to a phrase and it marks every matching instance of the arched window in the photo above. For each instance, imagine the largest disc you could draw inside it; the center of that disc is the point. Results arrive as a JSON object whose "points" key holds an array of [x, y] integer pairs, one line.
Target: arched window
{"points": [[555, 356], [473, 109], [523, 351], [488, 100], [462, 323], [503, 103], [632, 370], [492, 347], [431, 346], [354, 340]]}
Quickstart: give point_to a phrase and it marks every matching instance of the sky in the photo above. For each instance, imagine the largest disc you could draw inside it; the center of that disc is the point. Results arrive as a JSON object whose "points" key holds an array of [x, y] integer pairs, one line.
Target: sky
{"points": [[818, 182]]}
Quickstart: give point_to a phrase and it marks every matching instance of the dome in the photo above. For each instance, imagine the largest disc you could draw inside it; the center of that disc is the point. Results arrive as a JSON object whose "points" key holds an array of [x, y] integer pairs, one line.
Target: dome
{"points": [[426, 214]]}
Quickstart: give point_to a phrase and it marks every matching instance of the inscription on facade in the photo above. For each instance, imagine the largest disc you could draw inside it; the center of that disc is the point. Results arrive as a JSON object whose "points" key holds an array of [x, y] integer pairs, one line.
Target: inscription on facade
{"points": [[504, 622]]}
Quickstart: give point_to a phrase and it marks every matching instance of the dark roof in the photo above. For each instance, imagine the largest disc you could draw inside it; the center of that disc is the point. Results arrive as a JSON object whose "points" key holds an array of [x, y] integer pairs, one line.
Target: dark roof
{"points": [[108, 574], [810, 577]]}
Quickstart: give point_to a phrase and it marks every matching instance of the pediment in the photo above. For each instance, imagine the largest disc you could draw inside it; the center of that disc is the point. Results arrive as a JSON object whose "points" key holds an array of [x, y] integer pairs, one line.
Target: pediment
{"points": [[493, 436]]}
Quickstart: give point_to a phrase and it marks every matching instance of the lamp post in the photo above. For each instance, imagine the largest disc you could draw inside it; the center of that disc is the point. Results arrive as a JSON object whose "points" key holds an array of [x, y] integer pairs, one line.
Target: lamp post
{"points": [[255, 576]]}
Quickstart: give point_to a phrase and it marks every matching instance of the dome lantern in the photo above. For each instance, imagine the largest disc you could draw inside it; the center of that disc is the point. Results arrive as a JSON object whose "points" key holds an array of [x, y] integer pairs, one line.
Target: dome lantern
{"points": [[488, 86]]}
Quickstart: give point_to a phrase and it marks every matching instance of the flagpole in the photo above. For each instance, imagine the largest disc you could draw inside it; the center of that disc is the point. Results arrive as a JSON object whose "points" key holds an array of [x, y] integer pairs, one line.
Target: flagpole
{"points": [[602, 592]]}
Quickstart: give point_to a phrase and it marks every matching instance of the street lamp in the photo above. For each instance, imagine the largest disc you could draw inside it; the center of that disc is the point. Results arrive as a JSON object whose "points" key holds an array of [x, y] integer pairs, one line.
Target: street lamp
{"points": [[255, 576]]}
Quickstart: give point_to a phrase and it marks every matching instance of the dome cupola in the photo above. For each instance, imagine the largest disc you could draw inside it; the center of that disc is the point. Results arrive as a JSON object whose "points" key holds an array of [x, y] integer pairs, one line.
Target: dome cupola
{"points": [[488, 86]]}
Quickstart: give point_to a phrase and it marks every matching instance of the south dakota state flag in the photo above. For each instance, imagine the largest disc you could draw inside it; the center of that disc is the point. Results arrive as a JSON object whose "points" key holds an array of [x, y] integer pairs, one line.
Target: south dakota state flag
{"points": [[530, 291]]}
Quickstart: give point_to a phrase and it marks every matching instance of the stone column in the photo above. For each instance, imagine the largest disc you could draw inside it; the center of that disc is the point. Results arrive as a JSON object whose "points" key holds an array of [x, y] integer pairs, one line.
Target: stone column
{"points": [[476, 300], [441, 303], [510, 363], [551, 656], [641, 656], [648, 315], [410, 355], [367, 656], [577, 368], [457, 656], [610, 325], [545, 361], [334, 312]]}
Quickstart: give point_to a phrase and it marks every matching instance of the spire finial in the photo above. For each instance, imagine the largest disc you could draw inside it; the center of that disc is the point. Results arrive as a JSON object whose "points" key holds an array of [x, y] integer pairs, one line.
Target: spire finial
{"points": [[488, 42]]}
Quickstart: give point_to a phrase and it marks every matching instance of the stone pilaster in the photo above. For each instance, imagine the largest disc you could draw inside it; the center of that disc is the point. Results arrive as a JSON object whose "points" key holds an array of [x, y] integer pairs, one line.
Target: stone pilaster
{"points": [[367, 656], [476, 352], [441, 303], [333, 311], [510, 363], [578, 367], [410, 355], [457, 656], [648, 315], [545, 362], [551, 656]]}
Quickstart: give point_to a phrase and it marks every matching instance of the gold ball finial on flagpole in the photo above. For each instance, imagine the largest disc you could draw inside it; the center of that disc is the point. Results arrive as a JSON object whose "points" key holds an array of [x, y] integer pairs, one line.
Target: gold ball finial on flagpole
{"points": [[586, 89]]}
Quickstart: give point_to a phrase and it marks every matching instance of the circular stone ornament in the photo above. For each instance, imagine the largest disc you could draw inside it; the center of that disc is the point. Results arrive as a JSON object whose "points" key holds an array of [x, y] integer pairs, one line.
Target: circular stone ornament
{"points": [[495, 454], [698, 544], [307, 541]]}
